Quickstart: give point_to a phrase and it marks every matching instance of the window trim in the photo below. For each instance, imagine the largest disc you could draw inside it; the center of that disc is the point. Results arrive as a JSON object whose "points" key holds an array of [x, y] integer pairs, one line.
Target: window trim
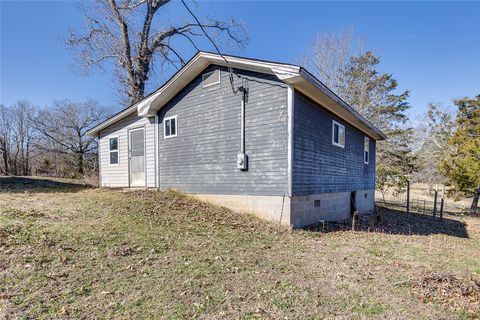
{"points": [[165, 127], [366, 151], [117, 151], [213, 83], [333, 134]]}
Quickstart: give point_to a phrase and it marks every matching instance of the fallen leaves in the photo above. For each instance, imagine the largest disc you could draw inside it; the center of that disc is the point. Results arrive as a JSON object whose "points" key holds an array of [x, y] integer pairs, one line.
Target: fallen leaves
{"points": [[447, 289]]}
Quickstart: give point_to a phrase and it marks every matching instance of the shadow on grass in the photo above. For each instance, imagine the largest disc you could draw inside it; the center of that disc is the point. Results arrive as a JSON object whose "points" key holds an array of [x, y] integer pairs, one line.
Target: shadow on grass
{"points": [[38, 184], [392, 221], [400, 222]]}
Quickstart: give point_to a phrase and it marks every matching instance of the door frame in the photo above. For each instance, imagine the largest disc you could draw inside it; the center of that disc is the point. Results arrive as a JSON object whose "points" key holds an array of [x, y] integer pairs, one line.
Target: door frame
{"points": [[143, 127]]}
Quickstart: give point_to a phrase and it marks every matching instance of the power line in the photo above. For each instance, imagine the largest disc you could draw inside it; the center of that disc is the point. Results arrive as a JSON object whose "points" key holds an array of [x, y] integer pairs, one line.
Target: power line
{"points": [[230, 69]]}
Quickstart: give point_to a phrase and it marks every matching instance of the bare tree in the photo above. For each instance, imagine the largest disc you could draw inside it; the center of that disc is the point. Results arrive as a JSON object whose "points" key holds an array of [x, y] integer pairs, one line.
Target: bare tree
{"points": [[128, 34], [330, 54], [434, 132], [342, 64], [23, 136], [64, 126], [5, 138], [17, 138]]}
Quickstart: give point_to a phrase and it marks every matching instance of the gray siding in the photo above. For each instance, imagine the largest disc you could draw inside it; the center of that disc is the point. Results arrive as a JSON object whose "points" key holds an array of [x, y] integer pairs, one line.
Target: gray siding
{"points": [[202, 158], [319, 166], [117, 175]]}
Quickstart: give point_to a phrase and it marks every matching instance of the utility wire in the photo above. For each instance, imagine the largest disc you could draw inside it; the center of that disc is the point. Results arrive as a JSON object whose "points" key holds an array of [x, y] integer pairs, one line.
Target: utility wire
{"points": [[230, 70]]}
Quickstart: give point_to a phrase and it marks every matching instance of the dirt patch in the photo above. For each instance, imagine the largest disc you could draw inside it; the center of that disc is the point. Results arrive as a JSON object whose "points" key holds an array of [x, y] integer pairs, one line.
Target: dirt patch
{"points": [[449, 290]]}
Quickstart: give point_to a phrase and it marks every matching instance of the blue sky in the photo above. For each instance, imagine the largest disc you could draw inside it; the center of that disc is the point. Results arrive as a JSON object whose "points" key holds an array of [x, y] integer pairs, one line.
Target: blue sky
{"points": [[432, 48]]}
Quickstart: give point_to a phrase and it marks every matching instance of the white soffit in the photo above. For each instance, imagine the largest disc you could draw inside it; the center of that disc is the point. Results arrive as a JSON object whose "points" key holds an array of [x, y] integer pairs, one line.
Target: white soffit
{"points": [[150, 106], [299, 78]]}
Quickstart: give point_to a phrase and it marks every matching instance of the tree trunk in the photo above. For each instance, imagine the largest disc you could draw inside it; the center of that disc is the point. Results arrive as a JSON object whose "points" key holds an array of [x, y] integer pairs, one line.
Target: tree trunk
{"points": [[80, 163], [26, 170], [474, 207], [5, 155]]}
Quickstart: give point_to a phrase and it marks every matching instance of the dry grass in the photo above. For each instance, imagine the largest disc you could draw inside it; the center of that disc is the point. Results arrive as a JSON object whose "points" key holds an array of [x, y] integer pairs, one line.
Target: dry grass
{"points": [[67, 251]]}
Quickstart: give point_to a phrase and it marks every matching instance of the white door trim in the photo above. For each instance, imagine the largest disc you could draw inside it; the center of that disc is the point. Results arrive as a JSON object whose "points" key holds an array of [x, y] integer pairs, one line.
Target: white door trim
{"points": [[144, 156]]}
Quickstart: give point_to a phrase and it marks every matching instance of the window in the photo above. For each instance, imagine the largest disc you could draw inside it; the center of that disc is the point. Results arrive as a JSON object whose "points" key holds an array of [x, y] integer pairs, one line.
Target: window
{"points": [[211, 78], [170, 125], [338, 134], [366, 150], [113, 150]]}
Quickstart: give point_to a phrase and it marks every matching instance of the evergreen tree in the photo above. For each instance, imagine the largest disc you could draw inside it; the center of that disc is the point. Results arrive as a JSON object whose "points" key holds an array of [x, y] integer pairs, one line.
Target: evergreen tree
{"points": [[373, 95], [462, 166]]}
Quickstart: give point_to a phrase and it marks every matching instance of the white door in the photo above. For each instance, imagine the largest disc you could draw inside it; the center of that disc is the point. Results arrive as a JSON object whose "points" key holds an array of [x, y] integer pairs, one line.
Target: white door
{"points": [[136, 155]]}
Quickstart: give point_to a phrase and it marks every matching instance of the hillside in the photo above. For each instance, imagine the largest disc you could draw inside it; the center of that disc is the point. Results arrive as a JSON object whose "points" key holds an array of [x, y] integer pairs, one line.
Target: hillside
{"points": [[72, 251]]}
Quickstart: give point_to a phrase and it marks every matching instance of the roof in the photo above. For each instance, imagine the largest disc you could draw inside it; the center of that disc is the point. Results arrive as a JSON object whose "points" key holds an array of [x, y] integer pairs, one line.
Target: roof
{"points": [[295, 76]]}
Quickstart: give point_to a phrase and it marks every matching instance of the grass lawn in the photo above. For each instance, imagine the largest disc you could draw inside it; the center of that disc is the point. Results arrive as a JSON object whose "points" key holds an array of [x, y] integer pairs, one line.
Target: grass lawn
{"points": [[69, 251]]}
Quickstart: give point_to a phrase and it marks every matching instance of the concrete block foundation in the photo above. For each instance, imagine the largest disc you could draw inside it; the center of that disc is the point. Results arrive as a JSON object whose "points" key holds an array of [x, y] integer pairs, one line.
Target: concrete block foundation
{"points": [[297, 211], [271, 208]]}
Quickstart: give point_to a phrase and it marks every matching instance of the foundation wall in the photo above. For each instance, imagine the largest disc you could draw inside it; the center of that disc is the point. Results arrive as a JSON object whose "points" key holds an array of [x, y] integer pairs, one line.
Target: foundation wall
{"points": [[310, 209], [272, 208], [365, 201]]}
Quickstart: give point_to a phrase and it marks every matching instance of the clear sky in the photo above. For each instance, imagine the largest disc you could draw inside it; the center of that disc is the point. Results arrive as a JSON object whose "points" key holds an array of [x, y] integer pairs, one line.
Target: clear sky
{"points": [[432, 48]]}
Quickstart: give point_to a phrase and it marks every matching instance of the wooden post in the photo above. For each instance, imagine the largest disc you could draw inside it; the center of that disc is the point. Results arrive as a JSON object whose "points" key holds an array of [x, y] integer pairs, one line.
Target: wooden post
{"points": [[408, 196], [442, 203], [423, 205], [435, 204], [355, 215]]}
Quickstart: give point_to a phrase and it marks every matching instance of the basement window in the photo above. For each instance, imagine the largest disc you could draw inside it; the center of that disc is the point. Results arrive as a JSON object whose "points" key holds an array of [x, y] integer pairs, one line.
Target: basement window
{"points": [[316, 203], [113, 150], [170, 127], [338, 134], [211, 78], [366, 150]]}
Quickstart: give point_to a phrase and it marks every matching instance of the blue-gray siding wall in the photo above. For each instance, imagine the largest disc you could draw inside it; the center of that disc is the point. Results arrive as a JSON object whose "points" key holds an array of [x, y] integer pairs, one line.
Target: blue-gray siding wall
{"points": [[319, 166], [202, 158]]}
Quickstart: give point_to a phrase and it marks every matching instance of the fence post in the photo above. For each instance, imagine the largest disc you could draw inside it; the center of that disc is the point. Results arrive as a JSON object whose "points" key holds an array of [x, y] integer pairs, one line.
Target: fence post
{"points": [[442, 203], [408, 196], [435, 204], [423, 205]]}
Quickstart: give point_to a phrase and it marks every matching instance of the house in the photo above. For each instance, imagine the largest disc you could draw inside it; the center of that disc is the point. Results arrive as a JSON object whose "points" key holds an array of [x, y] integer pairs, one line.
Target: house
{"points": [[282, 146]]}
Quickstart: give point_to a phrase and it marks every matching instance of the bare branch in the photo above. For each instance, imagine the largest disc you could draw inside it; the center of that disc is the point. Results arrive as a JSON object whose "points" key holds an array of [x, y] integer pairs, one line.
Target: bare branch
{"points": [[123, 33]]}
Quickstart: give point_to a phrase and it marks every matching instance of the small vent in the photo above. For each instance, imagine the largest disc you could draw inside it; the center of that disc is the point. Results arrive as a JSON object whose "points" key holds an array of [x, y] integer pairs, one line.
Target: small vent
{"points": [[211, 78], [316, 203]]}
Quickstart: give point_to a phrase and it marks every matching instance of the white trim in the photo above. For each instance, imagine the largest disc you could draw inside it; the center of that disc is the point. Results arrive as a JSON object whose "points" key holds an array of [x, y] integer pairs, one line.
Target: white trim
{"points": [[117, 151], [155, 135], [165, 127], [298, 77], [119, 116], [99, 160], [129, 130], [290, 131], [375, 132], [338, 144], [213, 83], [366, 149]]}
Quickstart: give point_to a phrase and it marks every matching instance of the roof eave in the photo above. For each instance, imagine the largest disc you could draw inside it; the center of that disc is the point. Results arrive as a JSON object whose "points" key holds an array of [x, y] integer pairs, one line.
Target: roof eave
{"points": [[306, 83], [95, 130], [197, 64], [293, 75]]}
